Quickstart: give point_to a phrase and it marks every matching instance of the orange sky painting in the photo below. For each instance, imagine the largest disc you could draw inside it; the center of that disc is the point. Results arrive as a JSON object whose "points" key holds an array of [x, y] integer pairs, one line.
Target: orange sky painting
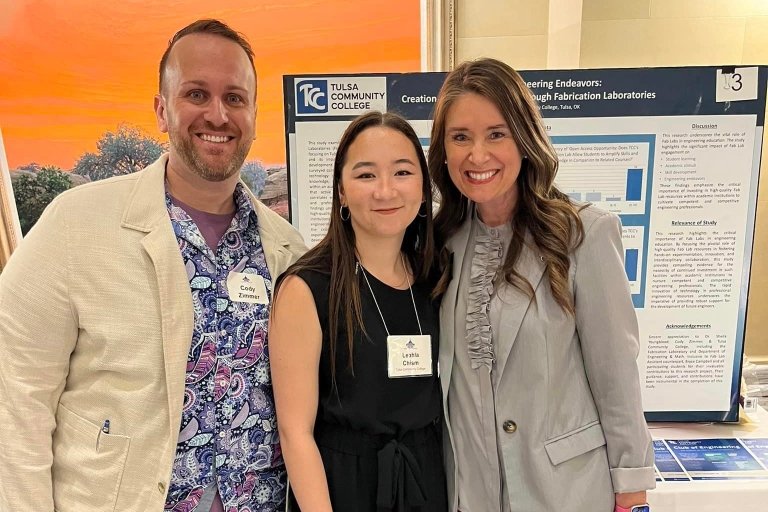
{"points": [[70, 71]]}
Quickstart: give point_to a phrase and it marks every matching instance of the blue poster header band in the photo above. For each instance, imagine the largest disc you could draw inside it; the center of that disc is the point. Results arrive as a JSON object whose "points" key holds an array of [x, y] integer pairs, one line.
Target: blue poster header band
{"points": [[581, 93]]}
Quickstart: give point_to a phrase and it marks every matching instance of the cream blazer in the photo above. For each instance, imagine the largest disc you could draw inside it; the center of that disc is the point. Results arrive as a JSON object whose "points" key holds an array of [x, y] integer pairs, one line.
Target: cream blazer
{"points": [[570, 384], [96, 324]]}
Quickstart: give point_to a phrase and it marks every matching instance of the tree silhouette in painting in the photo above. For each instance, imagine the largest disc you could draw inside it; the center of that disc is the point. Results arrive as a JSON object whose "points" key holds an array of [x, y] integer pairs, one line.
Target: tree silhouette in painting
{"points": [[254, 175], [34, 191], [122, 152]]}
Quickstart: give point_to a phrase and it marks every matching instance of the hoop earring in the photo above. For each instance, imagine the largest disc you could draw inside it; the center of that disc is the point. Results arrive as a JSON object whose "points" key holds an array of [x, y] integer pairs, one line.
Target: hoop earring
{"points": [[341, 213], [424, 204]]}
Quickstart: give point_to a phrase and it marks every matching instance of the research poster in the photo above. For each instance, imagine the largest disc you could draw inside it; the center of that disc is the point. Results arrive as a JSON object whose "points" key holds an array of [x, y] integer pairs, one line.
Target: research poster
{"points": [[674, 152]]}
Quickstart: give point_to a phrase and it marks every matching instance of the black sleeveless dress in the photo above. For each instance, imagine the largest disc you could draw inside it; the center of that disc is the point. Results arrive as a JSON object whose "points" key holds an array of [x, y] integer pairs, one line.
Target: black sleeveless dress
{"points": [[379, 437]]}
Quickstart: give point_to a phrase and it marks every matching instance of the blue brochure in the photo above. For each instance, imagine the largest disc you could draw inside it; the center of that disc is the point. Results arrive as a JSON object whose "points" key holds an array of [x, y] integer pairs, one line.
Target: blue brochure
{"points": [[666, 465], [716, 459], [759, 448]]}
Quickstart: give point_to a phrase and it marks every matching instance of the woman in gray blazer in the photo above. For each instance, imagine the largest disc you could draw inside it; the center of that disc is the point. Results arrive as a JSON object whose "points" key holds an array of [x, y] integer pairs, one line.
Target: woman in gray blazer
{"points": [[538, 332]]}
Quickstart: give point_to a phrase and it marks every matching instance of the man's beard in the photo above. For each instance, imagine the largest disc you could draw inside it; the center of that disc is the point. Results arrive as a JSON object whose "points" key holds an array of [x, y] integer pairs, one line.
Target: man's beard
{"points": [[196, 164]]}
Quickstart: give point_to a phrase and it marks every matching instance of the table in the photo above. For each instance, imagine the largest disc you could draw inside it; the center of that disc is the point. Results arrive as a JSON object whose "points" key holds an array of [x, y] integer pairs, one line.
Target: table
{"points": [[711, 495]]}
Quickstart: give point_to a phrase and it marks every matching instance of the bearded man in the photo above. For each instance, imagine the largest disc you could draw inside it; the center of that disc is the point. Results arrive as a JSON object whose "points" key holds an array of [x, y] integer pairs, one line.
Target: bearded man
{"points": [[134, 361]]}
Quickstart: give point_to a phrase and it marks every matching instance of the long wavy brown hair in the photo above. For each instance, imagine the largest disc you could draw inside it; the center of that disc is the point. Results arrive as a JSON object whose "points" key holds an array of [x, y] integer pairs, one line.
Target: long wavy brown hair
{"points": [[335, 253], [541, 210]]}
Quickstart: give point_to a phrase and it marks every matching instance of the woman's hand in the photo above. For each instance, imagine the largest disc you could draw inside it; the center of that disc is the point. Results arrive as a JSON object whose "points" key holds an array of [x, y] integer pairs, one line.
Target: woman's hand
{"points": [[630, 499]]}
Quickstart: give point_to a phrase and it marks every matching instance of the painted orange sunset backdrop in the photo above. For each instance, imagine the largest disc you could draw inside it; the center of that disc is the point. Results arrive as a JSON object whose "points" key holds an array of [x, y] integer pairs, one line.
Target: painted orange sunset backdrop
{"points": [[72, 70]]}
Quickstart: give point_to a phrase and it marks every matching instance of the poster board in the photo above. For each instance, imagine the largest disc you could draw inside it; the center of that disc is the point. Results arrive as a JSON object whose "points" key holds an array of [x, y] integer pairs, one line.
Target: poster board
{"points": [[675, 152]]}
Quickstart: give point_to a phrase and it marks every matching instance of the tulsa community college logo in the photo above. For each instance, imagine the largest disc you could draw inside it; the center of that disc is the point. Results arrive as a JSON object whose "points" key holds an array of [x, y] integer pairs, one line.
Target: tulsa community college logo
{"points": [[312, 97]]}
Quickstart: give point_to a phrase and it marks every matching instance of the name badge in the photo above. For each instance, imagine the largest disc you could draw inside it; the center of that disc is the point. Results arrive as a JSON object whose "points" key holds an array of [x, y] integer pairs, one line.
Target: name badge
{"points": [[409, 356], [248, 288]]}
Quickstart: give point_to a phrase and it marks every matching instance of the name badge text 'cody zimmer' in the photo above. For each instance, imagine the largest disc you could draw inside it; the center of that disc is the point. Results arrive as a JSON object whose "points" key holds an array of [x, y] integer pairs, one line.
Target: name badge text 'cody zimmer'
{"points": [[250, 288], [340, 96]]}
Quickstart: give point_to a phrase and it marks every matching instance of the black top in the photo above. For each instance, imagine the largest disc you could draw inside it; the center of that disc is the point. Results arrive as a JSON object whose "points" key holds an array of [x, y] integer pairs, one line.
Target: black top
{"points": [[369, 400]]}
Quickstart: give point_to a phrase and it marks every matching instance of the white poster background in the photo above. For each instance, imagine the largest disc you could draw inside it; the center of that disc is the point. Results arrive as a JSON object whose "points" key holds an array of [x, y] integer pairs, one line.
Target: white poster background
{"points": [[688, 343]]}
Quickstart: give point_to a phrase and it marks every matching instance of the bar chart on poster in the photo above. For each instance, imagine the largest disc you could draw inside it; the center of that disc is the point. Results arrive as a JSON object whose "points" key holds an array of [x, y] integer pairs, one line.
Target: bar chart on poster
{"points": [[609, 172], [667, 150], [614, 188], [634, 256]]}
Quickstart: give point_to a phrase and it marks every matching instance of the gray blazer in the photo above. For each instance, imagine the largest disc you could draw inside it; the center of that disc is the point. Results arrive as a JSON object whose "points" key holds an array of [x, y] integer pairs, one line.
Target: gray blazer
{"points": [[570, 384]]}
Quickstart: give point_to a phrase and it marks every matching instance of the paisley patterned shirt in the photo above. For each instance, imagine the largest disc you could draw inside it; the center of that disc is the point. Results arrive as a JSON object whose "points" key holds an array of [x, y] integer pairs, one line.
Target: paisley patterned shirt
{"points": [[228, 429]]}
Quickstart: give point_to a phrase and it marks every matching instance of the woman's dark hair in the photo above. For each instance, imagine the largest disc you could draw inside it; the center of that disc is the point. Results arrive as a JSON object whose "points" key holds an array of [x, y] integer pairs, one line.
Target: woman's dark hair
{"points": [[335, 254], [541, 210]]}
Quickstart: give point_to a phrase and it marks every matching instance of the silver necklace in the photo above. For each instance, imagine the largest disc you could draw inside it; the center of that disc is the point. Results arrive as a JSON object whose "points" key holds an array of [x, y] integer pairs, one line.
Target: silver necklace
{"points": [[376, 302]]}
